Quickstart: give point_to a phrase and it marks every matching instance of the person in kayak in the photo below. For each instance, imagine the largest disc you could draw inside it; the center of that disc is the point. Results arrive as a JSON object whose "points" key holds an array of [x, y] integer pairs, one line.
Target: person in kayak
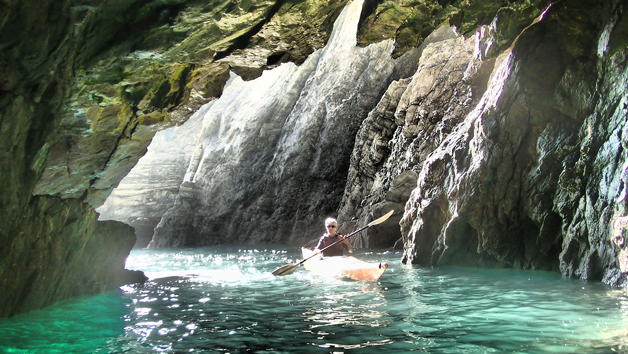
{"points": [[331, 225]]}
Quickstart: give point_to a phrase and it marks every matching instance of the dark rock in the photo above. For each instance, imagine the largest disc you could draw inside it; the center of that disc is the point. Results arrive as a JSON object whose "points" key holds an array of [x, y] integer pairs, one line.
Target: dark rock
{"points": [[73, 255], [526, 169], [531, 178], [133, 277]]}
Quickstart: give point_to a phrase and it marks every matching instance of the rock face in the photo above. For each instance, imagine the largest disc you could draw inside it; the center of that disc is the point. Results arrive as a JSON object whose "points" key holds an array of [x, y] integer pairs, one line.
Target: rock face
{"points": [[74, 255], [272, 157], [503, 148], [533, 177], [411, 121], [149, 190], [84, 87]]}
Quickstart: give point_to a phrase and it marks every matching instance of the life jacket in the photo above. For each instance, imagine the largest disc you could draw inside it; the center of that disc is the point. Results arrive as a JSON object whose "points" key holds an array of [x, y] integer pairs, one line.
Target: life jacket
{"points": [[335, 250]]}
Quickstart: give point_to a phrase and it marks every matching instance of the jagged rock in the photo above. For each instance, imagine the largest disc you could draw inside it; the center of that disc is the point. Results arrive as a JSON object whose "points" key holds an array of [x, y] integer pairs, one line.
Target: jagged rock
{"points": [[515, 184], [593, 180], [412, 119], [149, 190], [280, 161]]}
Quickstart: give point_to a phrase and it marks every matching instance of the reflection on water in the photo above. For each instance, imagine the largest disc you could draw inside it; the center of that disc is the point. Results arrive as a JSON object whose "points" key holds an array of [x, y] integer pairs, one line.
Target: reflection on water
{"points": [[225, 300]]}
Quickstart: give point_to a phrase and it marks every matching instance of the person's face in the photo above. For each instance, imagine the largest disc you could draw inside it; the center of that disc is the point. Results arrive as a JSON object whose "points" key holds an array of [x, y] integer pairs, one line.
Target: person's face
{"points": [[331, 228]]}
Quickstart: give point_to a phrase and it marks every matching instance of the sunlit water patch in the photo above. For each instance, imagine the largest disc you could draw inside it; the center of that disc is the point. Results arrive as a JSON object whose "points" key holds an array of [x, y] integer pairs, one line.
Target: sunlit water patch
{"points": [[225, 300]]}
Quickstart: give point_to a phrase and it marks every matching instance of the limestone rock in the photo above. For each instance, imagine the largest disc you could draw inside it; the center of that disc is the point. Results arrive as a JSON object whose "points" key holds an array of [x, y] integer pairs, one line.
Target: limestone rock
{"points": [[411, 120], [515, 184], [269, 170]]}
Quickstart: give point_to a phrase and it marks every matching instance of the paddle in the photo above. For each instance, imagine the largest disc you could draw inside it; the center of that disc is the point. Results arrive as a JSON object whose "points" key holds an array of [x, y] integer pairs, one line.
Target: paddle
{"points": [[290, 268]]}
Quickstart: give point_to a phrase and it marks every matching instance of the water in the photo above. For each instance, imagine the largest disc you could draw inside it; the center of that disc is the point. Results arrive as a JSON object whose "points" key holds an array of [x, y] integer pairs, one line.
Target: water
{"points": [[224, 300]]}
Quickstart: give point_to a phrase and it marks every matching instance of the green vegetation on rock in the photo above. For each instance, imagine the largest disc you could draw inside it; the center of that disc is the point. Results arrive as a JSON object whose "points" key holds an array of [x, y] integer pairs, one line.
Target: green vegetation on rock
{"points": [[409, 22]]}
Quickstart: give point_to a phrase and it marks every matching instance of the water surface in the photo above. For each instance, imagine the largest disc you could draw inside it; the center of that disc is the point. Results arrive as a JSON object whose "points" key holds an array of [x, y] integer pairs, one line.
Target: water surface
{"points": [[225, 300]]}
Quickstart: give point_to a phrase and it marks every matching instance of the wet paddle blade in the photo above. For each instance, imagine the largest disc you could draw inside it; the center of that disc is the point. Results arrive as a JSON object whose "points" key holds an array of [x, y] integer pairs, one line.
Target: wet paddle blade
{"points": [[287, 269]]}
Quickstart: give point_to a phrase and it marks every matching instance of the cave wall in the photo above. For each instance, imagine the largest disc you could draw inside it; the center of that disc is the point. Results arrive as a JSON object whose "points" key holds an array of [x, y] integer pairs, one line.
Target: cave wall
{"points": [[273, 152], [535, 175], [47, 242], [84, 87], [528, 168], [415, 115], [515, 151]]}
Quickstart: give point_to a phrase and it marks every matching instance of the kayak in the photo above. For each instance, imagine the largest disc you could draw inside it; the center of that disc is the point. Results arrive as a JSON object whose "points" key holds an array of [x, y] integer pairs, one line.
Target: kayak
{"points": [[344, 267]]}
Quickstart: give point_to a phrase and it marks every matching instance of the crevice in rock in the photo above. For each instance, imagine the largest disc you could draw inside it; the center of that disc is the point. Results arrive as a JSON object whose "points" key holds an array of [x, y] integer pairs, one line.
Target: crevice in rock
{"points": [[242, 41]]}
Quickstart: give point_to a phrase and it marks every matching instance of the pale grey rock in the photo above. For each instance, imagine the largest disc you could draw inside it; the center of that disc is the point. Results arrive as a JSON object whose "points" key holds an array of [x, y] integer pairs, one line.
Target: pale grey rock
{"points": [[414, 116], [534, 175], [273, 153], [144, 195]]}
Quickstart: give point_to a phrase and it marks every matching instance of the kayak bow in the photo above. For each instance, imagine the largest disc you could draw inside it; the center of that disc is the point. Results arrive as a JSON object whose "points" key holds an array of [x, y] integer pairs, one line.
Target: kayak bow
{"points": [[344, 267]]}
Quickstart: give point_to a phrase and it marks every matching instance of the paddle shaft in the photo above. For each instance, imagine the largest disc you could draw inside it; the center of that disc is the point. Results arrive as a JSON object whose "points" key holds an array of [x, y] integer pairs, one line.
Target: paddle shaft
{"points": [[342, 239], [289, 268]]}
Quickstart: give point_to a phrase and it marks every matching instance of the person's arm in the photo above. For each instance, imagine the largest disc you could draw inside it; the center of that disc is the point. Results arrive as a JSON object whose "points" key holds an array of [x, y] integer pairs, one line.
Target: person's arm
{"points": [[347, 245], [317, 249]]}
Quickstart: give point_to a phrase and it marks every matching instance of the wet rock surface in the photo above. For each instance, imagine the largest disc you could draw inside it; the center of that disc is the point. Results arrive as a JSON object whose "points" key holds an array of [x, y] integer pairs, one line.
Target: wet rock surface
{"points": [[274, 151], [502, 148], [516, 185], [413, 118]]}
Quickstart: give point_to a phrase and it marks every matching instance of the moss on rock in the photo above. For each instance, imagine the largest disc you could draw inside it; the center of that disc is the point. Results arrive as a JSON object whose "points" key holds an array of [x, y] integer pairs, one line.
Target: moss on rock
{"points": [[410, 22]]}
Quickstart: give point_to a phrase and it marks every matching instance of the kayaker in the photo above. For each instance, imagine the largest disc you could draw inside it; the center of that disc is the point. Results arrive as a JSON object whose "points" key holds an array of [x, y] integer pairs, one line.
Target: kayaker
{"points": [[331, 225]]}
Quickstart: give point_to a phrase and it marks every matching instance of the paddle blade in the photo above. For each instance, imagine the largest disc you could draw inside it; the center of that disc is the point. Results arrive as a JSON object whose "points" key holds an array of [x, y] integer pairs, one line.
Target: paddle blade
{"points": [[382, 219], [287, 269]]}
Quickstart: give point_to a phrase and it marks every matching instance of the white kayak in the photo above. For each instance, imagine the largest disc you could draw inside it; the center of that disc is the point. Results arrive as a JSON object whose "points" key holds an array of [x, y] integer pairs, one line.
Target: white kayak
{"points": [[345, 267]]}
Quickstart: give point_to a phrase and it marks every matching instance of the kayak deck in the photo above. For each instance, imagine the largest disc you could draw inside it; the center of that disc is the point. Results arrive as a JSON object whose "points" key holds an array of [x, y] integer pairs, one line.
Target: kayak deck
{"points": [[345, 267]]}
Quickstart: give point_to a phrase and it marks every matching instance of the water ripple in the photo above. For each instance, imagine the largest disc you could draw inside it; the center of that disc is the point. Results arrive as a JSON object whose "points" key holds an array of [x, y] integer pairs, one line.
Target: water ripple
{"points": [[225, 300]]}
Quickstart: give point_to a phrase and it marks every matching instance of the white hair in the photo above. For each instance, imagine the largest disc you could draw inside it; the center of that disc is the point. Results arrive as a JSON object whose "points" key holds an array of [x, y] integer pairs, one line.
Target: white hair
{"points": [[330, 220]]}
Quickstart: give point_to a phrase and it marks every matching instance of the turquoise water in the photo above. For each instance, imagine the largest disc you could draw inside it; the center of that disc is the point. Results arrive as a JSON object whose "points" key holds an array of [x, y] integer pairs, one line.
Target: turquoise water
{"points": [[224, 300]]}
